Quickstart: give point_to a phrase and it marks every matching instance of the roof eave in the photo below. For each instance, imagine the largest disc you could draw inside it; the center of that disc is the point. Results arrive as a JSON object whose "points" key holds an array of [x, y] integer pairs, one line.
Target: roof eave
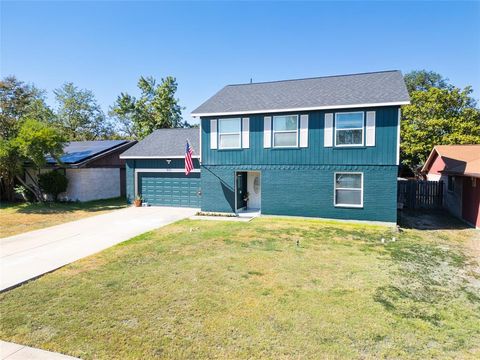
{"points": [[140, 157], [326, 107], [468, 174], [426, 166]]}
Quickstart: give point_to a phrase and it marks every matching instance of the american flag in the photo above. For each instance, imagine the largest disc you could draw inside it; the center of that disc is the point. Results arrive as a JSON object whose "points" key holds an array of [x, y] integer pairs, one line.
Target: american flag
{"points": [[188, 159]]}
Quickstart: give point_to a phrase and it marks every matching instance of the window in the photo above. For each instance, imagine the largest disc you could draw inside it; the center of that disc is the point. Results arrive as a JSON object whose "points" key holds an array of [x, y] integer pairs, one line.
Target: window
{"points": [[451, 183], [229, 133], [349, 129], [348, 189], [256, 185], [285, 131]]}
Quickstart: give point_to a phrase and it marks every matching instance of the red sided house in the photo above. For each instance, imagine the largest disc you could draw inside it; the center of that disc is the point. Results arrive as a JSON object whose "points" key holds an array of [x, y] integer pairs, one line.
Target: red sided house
{"points": [[458, 166]]}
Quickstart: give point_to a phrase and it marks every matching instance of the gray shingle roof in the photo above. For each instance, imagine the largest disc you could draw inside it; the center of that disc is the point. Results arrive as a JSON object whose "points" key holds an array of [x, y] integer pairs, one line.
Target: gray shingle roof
{"points": [[313, 93], [165, 143]]}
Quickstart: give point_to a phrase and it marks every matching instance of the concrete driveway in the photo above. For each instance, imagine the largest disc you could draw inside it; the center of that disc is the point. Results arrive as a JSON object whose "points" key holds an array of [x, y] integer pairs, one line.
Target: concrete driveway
{"points": [[29, 255]]}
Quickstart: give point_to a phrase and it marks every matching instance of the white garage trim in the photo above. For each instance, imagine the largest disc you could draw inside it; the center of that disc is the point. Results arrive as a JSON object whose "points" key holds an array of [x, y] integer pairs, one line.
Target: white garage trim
{"points": [[145, 170]]}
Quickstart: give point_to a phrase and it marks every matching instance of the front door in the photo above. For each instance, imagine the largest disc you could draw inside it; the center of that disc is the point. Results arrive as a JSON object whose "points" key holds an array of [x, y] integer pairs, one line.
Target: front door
{"points": [[254, 190], [241, 189]]}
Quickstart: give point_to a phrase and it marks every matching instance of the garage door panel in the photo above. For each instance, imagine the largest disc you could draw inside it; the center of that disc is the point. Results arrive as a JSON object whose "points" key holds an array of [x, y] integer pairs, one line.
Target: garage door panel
{"points": [[170, 189]]}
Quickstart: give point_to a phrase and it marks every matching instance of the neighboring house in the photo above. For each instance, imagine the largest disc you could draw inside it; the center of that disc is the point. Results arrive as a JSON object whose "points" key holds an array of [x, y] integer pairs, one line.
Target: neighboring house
{"points": [[320, 147], [93, 168], [458, 166], [156, 169]]}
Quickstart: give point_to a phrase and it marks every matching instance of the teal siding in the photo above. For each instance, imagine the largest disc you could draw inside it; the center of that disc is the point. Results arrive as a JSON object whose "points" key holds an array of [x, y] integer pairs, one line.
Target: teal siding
{"points": [[384, 153], [305, 191], [130, 174], [218, 189], [131, 165]]}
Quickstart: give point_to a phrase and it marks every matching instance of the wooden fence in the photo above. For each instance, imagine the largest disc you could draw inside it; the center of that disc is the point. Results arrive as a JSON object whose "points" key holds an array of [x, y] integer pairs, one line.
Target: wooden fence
{"points": [[420, 194]]}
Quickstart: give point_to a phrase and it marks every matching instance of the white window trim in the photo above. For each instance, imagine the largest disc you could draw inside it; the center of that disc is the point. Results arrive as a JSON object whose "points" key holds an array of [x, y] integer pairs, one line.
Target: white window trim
{"points": [[284, 131], [239, 133], [363, 129], [335, 189]]}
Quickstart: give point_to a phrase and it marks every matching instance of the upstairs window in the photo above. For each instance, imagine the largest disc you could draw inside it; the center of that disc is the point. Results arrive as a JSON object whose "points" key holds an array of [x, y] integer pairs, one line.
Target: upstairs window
{"points": [[349, 129], [229, 133], [285, 131], [348, 189]]}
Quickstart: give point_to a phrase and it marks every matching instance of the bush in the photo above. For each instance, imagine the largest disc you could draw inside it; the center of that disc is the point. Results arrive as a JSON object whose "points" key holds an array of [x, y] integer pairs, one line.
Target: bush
{"points": [[25, 193], [53, 183]]}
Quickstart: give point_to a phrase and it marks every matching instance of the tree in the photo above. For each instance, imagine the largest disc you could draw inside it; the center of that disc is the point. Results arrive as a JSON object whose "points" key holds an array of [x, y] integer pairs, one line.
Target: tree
{"points": [[124, 113], [79, 114], [18, 102], [156, 108], [437, 116], [34, 141], [53, 183], [422, 80]]}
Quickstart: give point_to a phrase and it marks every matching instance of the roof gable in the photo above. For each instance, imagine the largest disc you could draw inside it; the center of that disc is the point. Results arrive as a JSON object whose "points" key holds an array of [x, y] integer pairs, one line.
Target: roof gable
{"points": [[356, 90], [458, 159], [165, 143]]}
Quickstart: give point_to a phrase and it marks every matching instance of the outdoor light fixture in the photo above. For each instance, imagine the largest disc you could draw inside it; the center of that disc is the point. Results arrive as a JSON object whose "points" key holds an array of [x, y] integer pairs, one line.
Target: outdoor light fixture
{"points": [[169, 161]]}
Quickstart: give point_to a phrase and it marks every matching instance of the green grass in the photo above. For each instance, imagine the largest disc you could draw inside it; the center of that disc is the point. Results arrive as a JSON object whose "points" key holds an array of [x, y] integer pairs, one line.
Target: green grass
{"points": [[245, 290], [18, 218]]}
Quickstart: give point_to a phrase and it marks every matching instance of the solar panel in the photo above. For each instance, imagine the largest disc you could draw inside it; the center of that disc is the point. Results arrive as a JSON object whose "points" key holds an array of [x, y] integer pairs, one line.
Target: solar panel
{"points": [[78, 151]]}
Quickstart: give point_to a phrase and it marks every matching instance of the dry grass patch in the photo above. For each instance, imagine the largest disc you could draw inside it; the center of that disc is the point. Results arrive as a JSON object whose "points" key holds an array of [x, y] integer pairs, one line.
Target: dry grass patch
{"points": [[20, 218], [206, 289]]}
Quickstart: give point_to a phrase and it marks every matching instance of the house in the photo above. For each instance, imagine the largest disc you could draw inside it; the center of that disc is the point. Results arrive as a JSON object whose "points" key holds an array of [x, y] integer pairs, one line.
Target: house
{"points": [[318, 147], [93, 168], [458, 166], [156, 169]]}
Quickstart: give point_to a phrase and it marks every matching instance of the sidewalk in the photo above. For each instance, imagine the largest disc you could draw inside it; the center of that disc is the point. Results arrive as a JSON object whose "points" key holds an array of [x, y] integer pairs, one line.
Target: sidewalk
{"points": [[13, 351]]}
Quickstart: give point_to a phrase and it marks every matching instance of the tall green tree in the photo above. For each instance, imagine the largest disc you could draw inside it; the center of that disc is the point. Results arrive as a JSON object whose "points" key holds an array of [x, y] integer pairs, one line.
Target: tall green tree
{"points": [[422, 80], [156, 108], [437, 116], [79, 115], [18, 103]]}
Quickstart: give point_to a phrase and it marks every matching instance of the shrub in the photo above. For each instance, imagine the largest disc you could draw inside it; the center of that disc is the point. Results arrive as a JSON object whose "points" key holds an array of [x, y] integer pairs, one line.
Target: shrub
{"points": [[53, 183]]}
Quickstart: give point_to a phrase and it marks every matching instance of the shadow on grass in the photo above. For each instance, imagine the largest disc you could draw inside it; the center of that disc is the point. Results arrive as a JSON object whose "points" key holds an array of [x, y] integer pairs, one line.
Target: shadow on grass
{"points": [[429, 220], [66, 207]]}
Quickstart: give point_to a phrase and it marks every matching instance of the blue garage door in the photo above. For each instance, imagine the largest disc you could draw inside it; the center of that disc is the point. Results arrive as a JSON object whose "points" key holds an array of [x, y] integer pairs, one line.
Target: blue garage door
{"points": [[170, 189]]}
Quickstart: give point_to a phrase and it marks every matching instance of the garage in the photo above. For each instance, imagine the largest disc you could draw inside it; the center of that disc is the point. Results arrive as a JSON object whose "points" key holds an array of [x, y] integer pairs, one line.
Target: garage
{"points": [[155, 169], [170, 189]]}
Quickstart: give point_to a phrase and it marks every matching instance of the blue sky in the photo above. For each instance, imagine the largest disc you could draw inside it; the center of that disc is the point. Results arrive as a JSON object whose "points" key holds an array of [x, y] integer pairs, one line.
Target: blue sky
{"points": [[106, 46]]}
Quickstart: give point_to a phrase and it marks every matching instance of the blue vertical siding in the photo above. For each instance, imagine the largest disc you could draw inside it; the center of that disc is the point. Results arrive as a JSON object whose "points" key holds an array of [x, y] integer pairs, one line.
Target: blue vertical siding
{"points": [[130, 181], [383, 153], [300, 181]]}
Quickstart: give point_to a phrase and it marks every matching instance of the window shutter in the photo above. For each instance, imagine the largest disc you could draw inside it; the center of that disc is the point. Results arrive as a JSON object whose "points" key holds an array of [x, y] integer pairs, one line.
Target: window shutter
{"points": [[213, 134], [328, 131], [246, 133], [370, 129], [303, 130], [267, 131]]}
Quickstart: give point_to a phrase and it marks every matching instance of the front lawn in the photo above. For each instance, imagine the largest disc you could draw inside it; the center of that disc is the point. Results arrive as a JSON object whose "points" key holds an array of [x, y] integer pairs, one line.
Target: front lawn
{"points": [[21, 217], [230, 290]]}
